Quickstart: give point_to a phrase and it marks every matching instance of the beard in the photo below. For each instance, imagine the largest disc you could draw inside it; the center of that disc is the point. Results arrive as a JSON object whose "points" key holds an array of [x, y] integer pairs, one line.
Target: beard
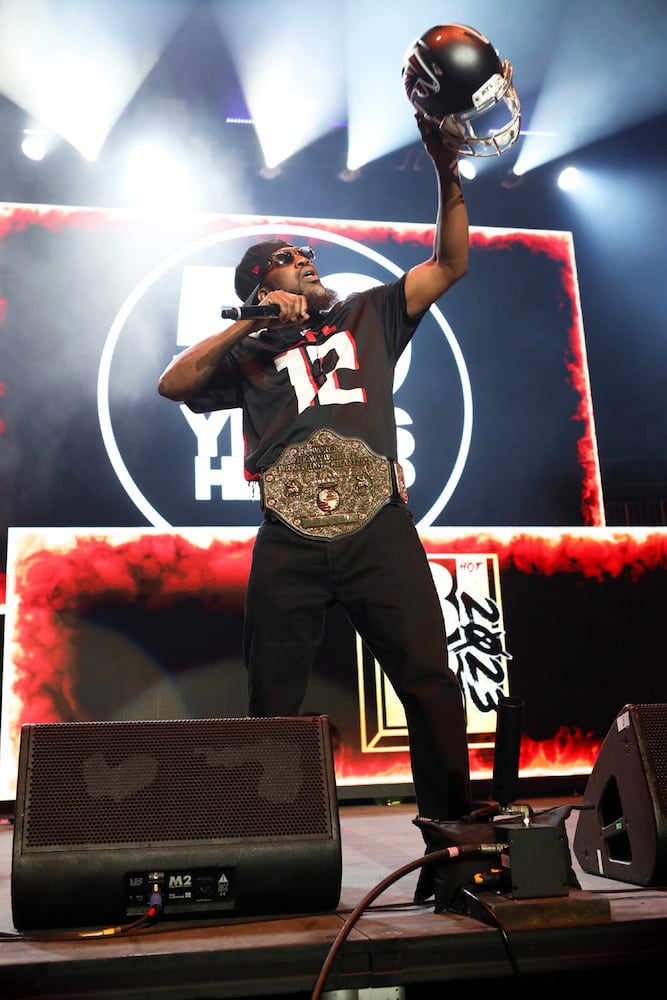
{"points": [[320, 299]]}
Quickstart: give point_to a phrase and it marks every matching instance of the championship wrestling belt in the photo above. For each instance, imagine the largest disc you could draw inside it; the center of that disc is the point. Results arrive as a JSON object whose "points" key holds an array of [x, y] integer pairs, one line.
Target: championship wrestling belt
{"points": [[330, 485]]}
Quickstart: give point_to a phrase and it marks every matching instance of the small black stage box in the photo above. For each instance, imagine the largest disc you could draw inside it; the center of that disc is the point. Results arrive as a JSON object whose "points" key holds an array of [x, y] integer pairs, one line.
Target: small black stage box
{"points": [[623, 835], [229, 817]]}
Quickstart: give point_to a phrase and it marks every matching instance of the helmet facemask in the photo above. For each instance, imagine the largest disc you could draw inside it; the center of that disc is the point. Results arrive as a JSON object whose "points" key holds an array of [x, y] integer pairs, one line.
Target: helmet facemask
{"points": [[491, 126]]}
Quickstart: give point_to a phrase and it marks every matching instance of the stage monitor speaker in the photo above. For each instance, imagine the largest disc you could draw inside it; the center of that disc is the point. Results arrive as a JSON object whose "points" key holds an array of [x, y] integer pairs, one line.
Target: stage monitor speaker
{"points": [[228, 817], [624, 835]]}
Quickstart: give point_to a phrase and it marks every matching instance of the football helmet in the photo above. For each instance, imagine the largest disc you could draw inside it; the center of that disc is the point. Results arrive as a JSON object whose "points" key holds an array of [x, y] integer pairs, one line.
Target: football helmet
{"points": [[454, 78]]}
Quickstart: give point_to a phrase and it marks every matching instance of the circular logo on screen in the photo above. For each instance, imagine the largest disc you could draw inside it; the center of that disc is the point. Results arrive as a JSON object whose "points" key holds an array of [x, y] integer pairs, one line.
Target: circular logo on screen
{"points": [[181, 468]]}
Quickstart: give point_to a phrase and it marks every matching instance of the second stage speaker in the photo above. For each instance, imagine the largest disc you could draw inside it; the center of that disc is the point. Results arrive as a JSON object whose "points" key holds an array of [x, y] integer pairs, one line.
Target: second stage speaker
{"points": [[621, 831]]}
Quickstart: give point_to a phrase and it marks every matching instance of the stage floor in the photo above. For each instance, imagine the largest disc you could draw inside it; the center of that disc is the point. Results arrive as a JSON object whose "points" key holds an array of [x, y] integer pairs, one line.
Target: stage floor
{"points": [[604, 933]]}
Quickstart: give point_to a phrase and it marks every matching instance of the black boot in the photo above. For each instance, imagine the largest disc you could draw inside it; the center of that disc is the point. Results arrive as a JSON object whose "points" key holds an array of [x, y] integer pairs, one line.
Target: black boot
{"points": [[442, 879]]}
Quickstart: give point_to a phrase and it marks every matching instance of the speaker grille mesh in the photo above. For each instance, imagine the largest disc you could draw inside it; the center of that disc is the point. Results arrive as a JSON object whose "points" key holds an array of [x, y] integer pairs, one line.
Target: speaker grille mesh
{"points": [[653, 720], [194, 780]]}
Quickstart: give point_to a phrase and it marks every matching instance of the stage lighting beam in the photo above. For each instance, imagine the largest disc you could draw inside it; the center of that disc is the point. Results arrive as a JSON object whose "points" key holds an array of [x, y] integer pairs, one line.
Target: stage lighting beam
{"points": [[75, 67], [290, 109]]}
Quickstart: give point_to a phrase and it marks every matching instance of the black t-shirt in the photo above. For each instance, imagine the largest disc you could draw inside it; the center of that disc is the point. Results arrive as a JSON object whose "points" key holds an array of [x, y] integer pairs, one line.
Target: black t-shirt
{"points": [[336, 374]]}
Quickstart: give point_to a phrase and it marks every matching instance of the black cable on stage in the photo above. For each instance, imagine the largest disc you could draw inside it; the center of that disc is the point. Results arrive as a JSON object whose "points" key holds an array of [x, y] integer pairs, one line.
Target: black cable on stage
{"points": [[447, 854], [492, 919]]}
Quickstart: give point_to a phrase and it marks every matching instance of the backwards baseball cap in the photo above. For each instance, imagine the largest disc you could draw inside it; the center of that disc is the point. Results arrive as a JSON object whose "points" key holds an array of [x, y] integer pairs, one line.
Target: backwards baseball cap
{"points": [[251, 269]]}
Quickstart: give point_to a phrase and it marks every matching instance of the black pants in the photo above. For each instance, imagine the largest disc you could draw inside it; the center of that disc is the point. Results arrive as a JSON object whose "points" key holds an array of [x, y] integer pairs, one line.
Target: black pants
{"points": [[381, 577]]}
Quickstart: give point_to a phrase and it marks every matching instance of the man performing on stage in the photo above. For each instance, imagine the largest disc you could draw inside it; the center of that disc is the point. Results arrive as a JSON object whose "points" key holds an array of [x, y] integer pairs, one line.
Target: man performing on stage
{"points": [[325, 367]]}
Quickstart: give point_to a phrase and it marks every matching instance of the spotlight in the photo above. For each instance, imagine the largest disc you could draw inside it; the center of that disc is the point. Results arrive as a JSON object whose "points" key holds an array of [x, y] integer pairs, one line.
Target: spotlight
{"points": [[467, 169], [348, 176], [568, 179], [33, 145]]}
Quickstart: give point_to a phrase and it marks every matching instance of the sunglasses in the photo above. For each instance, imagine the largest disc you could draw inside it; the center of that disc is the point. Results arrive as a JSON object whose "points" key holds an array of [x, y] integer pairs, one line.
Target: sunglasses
{"points": [[283, 257]]}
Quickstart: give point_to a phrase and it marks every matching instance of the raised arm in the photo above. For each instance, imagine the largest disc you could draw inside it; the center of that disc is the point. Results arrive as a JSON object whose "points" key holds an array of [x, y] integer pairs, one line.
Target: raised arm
{"points": [[426, 282]]}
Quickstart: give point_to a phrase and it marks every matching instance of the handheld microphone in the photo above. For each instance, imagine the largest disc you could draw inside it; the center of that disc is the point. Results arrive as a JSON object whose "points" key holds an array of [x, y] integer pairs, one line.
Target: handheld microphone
{"points": [[250, 312]]}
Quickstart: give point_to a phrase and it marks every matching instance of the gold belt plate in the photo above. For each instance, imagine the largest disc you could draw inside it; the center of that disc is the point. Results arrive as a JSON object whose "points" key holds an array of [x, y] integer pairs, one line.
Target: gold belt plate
{"points": [[329, 485]]}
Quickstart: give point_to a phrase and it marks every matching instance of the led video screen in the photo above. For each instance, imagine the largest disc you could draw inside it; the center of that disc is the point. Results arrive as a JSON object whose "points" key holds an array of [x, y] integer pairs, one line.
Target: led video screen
{"points": [[495, 429]]}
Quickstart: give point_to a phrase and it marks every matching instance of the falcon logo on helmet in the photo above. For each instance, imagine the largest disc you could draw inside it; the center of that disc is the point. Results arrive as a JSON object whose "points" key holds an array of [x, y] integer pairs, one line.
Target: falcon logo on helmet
{"points": [[420, 78]]}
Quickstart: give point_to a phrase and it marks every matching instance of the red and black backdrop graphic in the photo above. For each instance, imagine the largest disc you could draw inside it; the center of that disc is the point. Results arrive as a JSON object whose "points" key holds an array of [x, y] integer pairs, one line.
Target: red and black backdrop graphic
{"points": [[495, 428], [143, 624]]}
